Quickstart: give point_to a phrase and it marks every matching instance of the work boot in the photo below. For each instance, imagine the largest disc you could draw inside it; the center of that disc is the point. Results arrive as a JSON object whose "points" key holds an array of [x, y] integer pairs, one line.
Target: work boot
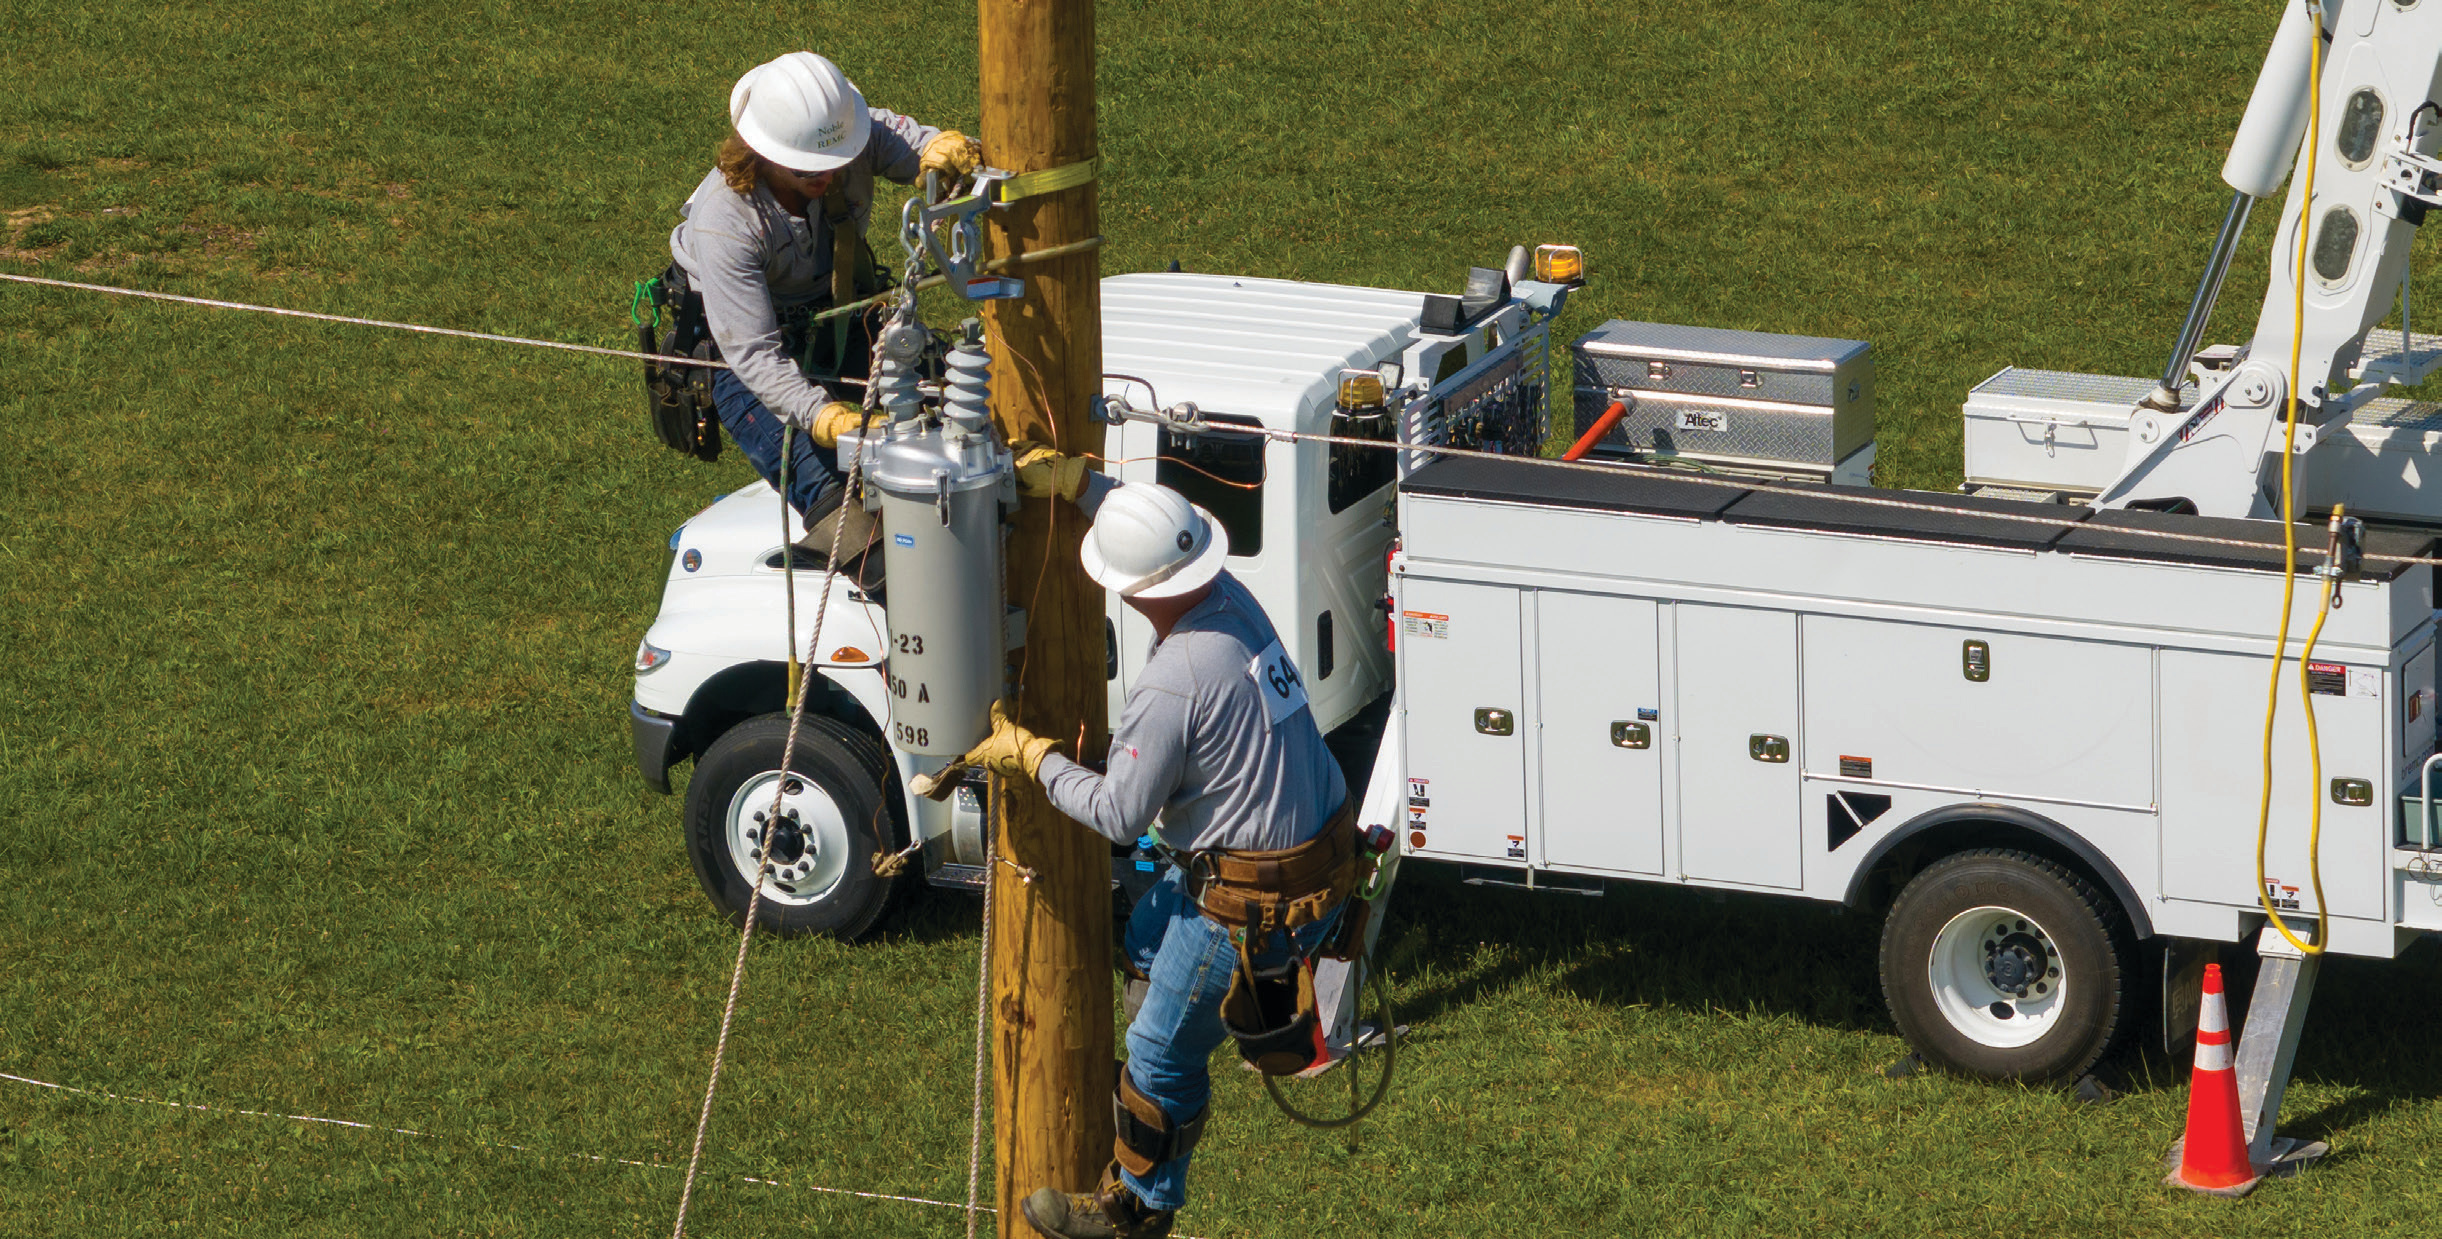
{"points": [[856, 529], [1113, 1212]]}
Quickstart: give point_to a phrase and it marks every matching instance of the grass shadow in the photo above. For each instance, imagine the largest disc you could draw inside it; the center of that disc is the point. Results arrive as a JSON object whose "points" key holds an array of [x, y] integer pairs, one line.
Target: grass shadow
{"points": [[1451, 944]]}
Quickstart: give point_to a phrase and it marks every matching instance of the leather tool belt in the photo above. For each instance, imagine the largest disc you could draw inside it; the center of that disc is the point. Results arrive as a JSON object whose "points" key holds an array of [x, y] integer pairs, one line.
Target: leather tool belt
{"points": [[1271, 1012]]}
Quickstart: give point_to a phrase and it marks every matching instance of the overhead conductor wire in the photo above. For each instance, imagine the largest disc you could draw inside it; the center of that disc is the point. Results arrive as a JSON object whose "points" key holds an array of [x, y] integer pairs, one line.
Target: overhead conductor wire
{"points": [[2289, 543]]}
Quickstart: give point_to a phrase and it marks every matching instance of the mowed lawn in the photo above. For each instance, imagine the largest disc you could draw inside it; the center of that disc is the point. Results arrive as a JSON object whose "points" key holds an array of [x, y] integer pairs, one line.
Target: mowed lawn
{"points": [[315, 790]]}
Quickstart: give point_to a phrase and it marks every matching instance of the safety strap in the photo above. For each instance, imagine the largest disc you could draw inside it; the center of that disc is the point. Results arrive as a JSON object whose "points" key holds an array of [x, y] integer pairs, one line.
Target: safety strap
{"points": [[844, 240], [1145, 1136], [1045, 181]]}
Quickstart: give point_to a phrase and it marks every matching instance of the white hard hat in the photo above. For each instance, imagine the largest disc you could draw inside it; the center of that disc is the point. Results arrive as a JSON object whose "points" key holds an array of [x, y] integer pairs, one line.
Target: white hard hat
{"points": [[1149, 542], [800, 112]]}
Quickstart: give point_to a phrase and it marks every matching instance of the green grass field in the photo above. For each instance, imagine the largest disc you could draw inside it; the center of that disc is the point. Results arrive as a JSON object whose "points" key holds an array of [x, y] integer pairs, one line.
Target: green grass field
{"points": [[315, 793]]}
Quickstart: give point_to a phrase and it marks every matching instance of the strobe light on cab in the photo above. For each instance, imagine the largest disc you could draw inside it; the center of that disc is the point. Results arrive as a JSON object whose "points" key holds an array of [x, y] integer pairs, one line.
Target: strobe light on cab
{"points": [[1560, 264]]}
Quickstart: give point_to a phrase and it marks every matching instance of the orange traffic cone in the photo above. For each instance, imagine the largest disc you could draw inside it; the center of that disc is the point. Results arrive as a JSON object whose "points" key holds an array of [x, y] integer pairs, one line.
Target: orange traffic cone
{"points": [[2213, 1155]]}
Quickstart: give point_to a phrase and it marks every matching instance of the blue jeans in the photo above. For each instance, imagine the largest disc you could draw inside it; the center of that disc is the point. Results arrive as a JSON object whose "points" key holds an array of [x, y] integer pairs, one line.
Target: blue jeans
{"points": [[814, 481], [1188, 961]]}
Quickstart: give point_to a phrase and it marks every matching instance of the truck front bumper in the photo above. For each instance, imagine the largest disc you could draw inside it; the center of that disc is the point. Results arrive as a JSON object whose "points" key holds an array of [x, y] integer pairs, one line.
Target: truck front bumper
{"points": [[656, 737]]}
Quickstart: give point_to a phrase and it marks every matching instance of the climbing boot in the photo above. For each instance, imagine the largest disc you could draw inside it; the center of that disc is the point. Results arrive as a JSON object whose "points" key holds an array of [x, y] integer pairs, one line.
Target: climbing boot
{"points": [[855, 529], [1112, 1212]]}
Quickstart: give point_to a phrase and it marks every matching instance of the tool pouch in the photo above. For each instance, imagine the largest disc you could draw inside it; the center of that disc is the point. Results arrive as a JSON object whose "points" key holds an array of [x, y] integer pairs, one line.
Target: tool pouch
{"points": [[679, 398], [1271, 1014]]}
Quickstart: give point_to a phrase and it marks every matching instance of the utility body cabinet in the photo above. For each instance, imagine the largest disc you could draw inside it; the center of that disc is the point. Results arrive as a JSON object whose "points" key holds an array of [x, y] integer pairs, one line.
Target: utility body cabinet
{"points": [[1646, 677]]}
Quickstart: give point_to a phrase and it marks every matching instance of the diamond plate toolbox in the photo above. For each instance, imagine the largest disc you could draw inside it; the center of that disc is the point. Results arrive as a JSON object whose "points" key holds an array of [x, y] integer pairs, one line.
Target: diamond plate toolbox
{"points": [[1745, 399]]}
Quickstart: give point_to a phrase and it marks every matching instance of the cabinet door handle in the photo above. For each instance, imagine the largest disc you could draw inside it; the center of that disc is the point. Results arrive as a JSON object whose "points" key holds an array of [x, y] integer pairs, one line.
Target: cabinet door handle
{"points": [[1629, 735], [1768, 748], [1495, 722]]}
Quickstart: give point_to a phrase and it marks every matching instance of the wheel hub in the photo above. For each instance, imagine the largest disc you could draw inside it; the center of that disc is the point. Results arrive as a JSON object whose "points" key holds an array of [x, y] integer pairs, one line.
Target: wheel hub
{"points": [[2017, 959], [806, 841], [1996, 976]]}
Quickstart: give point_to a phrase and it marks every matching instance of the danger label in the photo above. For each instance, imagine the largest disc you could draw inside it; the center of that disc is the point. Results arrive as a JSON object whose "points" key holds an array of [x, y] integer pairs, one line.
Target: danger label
{"points": [[1856, 767], [2327, 679], [1425, 624]]}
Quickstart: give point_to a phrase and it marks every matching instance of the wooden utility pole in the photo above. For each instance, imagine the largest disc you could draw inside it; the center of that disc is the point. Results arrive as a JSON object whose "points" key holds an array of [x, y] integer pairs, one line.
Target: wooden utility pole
{"points": [[1051, 963]]}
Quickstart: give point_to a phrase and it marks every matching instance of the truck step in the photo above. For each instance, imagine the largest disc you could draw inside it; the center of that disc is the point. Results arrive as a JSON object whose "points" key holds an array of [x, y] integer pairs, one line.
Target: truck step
{"points": [[1547, 884]]}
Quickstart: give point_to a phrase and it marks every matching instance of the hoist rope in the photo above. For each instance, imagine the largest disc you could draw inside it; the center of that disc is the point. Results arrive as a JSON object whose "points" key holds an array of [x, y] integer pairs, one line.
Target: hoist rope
{"points": [[423, 329], [601, 1159], [1757, 484], [983, 1026]]}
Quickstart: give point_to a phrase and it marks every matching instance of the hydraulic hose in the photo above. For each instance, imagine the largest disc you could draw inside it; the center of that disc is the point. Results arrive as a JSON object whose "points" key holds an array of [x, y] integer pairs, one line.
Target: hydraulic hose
{"points": [[1594, 434], [2289, 537]]}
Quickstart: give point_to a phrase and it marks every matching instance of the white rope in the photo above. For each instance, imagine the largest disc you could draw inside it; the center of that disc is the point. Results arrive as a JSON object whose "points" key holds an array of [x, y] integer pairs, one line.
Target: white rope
{"points": [[849, 493], [596, 1158], [1286, 436], [362, 322], [601, 1159], [983, 1025]]}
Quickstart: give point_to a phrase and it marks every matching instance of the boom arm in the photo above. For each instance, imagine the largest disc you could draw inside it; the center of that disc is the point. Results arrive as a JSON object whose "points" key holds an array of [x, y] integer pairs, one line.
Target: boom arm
{"points": [[2373, 179]]}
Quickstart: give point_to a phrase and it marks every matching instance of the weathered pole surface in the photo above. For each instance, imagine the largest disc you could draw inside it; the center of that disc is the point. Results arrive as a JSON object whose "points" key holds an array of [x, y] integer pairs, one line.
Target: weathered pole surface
{"points": [[1051, 974]]}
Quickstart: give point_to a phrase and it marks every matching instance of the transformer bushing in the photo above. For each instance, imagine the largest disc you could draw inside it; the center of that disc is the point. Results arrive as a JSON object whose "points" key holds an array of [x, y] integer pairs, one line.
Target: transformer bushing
{"points": [[942, 485], [967, 396]]}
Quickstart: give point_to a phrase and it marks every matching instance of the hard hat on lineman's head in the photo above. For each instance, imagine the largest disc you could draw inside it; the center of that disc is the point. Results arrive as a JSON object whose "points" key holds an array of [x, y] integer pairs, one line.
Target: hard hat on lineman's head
{"points": [[800, 112], [1149, 542]]}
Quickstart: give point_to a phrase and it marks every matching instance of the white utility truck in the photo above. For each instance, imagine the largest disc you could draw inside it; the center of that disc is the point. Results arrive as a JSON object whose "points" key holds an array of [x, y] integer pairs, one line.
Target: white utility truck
{"points": [[2024, 724]]}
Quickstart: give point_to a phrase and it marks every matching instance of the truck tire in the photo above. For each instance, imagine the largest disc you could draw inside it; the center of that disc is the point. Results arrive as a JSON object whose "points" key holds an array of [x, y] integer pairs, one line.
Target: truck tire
{"points": [[2003, 965], [834, 800]]}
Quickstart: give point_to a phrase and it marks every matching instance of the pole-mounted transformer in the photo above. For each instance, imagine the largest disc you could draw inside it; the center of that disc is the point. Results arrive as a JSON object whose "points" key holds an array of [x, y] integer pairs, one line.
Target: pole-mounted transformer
{"points": [[942, 482]]}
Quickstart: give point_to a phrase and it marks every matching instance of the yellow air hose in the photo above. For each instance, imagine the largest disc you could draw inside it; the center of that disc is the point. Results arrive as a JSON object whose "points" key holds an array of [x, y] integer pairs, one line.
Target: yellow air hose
{"points": [[2289, 540]]}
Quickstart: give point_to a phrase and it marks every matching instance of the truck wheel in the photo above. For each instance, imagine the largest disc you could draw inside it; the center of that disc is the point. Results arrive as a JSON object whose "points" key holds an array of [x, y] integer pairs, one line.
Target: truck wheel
{"points": [[2004, 965], [832, 821]]}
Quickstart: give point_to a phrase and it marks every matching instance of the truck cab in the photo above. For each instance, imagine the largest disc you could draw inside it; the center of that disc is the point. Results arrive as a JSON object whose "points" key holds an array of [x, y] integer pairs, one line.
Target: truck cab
{"points": [[1310, 528]]}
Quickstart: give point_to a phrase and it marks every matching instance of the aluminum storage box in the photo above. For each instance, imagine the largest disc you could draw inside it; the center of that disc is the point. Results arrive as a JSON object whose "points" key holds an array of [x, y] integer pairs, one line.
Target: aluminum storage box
{"points": [[1741, 399], [2051, 429]]}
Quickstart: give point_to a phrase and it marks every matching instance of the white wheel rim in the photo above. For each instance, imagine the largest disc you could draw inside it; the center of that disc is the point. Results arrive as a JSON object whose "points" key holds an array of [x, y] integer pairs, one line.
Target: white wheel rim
{"points": [[1981, 961], [821, 858]]}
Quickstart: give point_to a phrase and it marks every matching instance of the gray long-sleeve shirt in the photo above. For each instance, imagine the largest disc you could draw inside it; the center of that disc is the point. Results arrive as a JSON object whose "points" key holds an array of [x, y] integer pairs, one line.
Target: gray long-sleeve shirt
{"points": [[1216, 737], [749, 257]]}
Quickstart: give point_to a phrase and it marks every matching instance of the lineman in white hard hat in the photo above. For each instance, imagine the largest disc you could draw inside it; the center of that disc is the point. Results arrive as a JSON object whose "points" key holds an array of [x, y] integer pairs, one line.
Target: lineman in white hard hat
{"points": [[1216, 739], [776, 232]]}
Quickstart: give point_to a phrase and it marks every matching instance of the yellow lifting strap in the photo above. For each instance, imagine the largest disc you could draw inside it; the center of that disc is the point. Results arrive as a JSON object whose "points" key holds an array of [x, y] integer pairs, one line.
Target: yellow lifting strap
{"points": [[1045, 181]]}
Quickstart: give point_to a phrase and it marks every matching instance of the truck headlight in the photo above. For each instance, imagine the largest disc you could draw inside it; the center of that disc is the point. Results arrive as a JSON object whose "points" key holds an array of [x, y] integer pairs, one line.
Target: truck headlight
{"points": [[650, 657]]}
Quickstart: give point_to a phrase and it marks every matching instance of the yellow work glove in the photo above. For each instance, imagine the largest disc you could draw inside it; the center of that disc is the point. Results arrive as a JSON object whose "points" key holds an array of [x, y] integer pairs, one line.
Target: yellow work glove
{"points": [[838, 418], [1010, 751], [1043, 473], [952, 154]]}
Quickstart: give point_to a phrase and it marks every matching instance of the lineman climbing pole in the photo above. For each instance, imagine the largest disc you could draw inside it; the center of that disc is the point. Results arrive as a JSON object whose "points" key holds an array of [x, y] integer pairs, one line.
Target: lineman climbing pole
{"points": [[1051, 960]]}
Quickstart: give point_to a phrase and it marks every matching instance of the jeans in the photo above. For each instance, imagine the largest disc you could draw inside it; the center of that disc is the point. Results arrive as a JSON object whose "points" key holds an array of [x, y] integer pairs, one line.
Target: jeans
{"points": [[1188, 961], [814, 481]]}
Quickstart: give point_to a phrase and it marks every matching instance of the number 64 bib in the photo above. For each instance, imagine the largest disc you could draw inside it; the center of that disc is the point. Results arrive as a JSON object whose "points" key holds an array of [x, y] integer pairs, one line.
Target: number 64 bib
{"points": [[1277, 681]]}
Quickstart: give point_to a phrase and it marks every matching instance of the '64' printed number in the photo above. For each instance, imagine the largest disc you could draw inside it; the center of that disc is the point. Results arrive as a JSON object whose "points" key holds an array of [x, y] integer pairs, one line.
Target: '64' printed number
{"points": [[1276, 679]]}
